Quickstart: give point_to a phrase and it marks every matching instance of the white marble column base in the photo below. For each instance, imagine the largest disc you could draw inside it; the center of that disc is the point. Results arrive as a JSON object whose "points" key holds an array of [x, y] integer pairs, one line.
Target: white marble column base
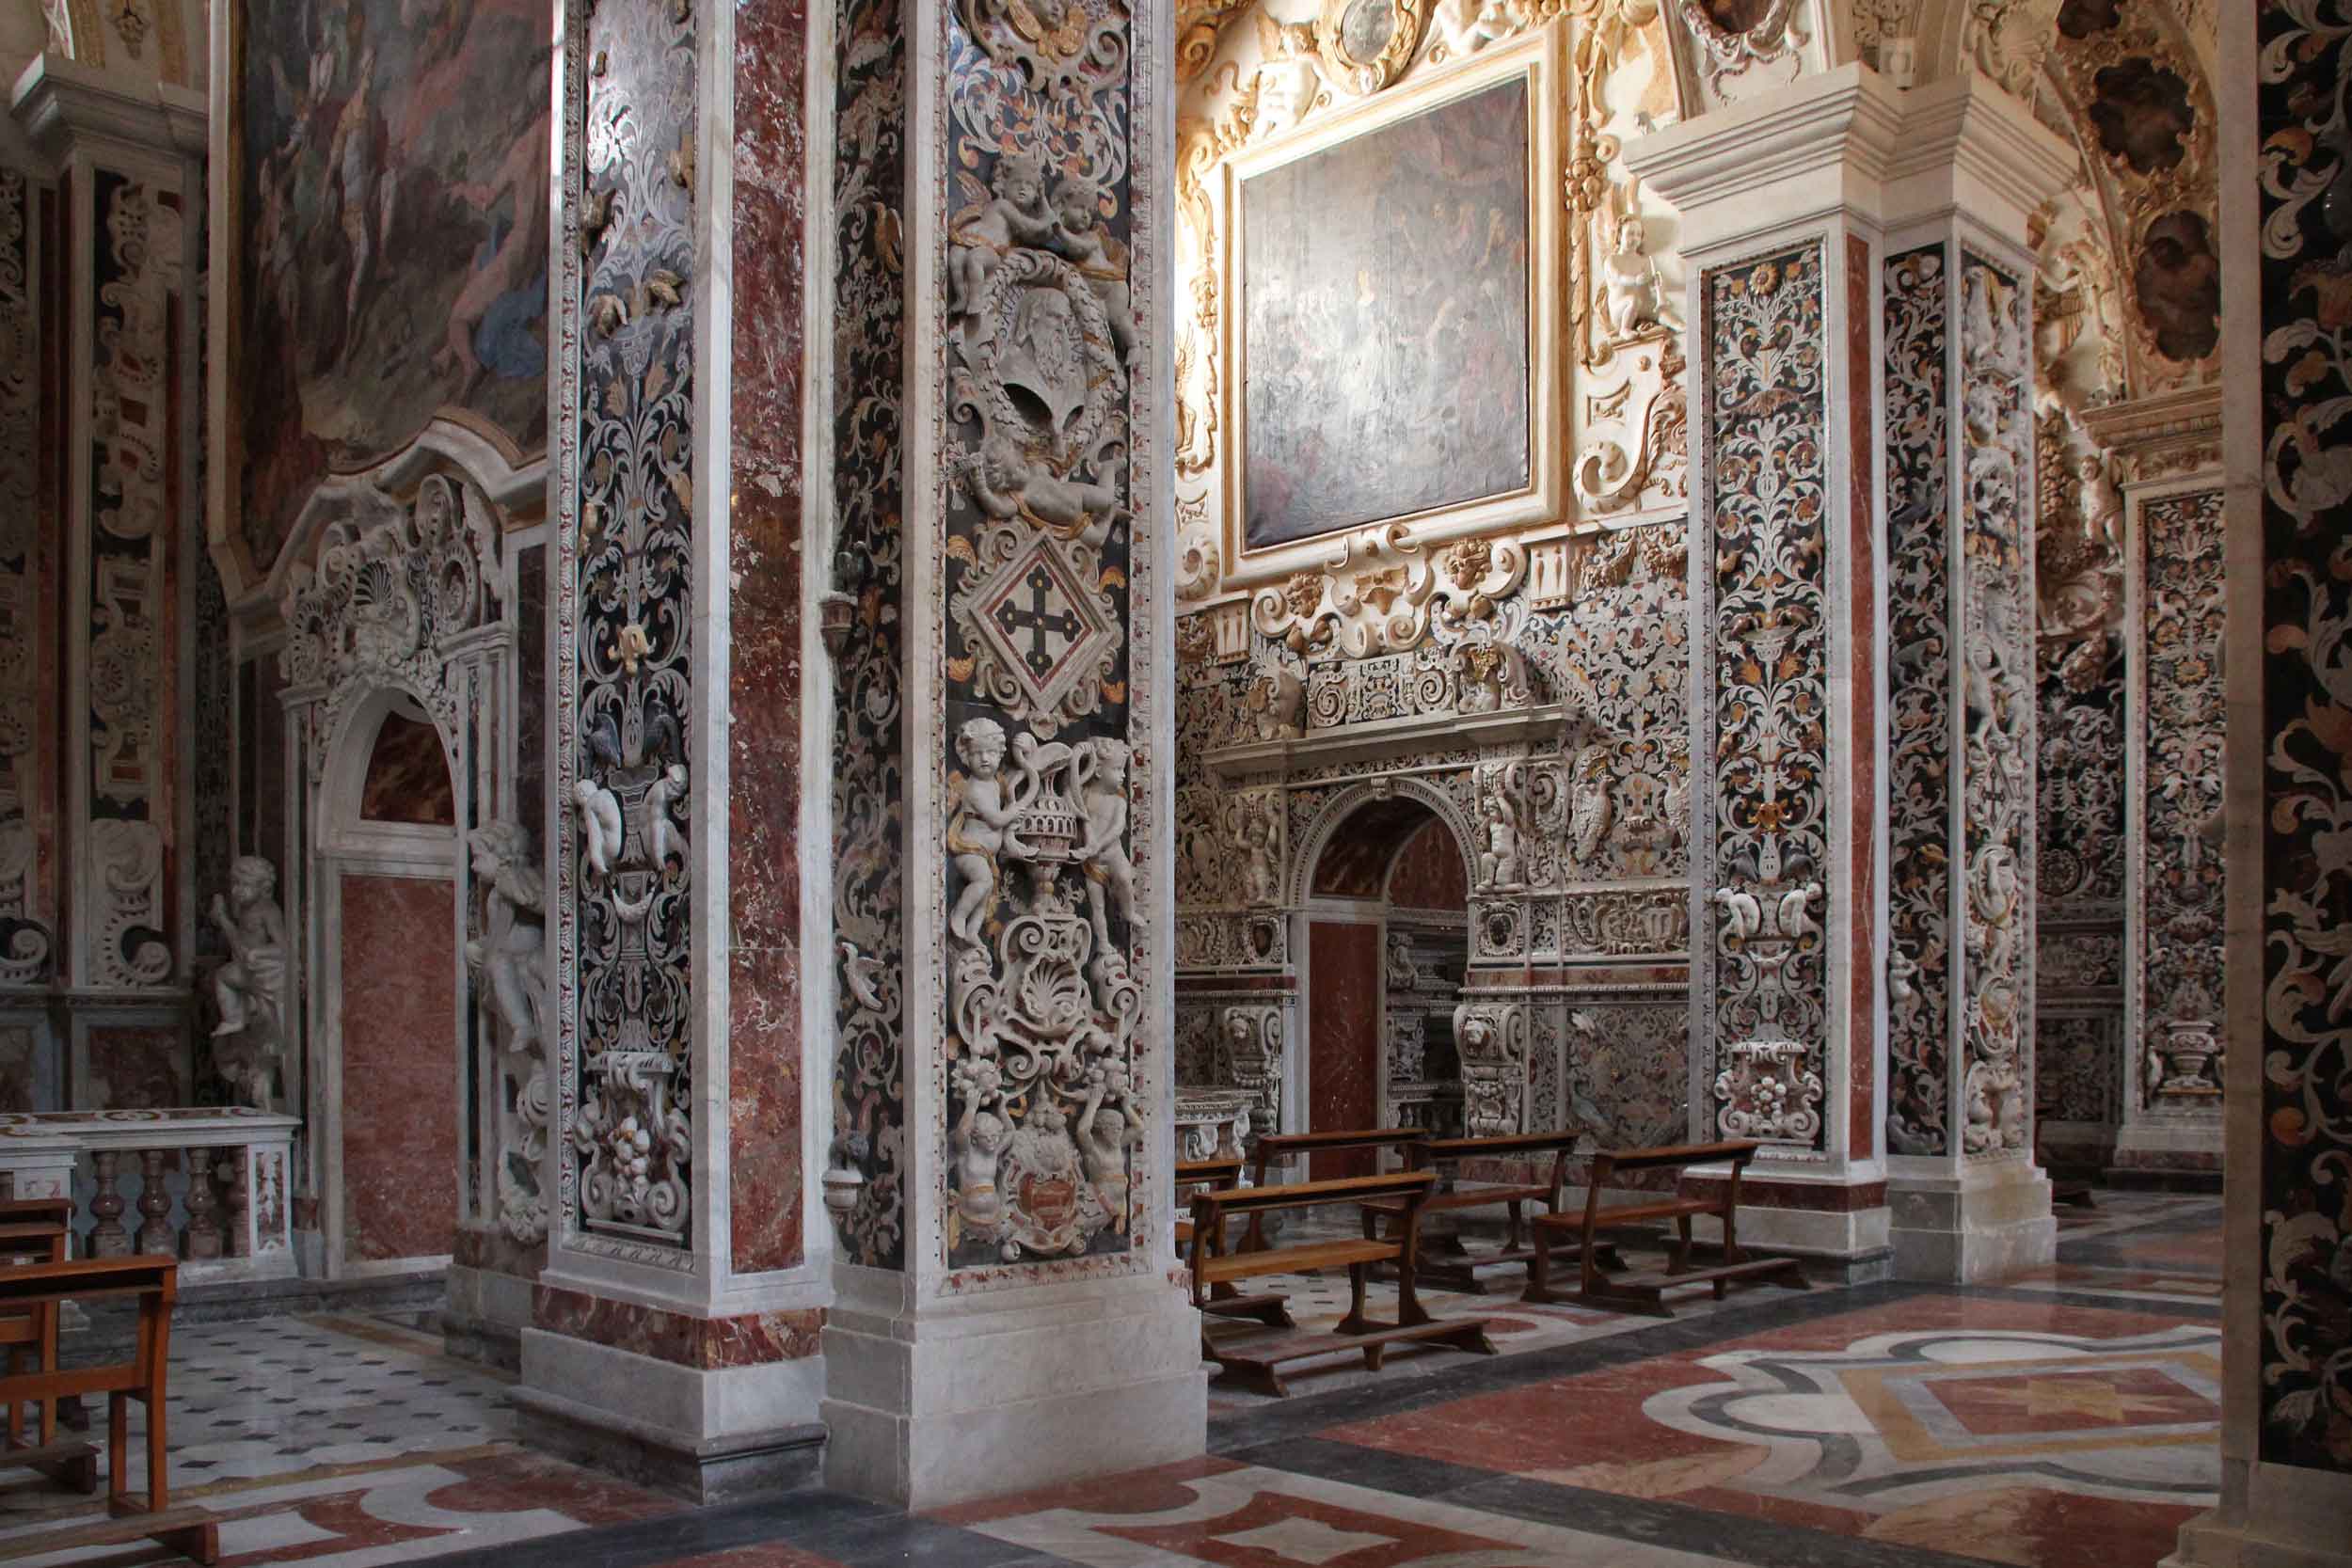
{"points": [[1984, 1224], [2312, 1529], [2184, 1143], [956, 1400], [1852, 1243]]}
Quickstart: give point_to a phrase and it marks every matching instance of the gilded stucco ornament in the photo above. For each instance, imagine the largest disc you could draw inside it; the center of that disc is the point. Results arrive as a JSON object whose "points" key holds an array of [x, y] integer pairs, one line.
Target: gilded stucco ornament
{"points": [[1366, 44], [1384, 593], [1057, 43]]}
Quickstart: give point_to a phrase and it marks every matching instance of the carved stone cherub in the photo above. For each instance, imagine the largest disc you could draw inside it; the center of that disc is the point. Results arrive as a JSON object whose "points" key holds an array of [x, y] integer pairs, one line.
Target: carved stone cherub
{"points": [[250, 988], [1012, 210], [1103, 847], [1006, 482], [511, 949], [1100, 1131], [1499, 864], [1255, 829], [1630, 277], [976, 833], [1465, 27], [978, 1143], [1081, 240]]}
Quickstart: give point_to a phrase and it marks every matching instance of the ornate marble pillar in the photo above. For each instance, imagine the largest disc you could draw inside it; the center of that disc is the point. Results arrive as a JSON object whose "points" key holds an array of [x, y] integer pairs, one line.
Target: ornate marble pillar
{"points": [[675, 1325], [2286, 1441], [2167, 458], [1863, 780], [131, 194], [1002, 487]]}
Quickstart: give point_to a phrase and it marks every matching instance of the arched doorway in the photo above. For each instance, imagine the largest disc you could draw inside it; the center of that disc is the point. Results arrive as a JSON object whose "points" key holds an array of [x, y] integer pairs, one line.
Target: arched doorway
{"points": [[392, 1013], [1386, 944]]}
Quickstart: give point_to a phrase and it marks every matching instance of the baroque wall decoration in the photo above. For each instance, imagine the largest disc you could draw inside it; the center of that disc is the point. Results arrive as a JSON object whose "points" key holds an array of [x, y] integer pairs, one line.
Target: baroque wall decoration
{"points": [[1999, 692], [387, 241], [864, 1181], [622, 643], [27, 923], [2306, 684], [2184, 715], [1766, 433], [1047, 446], [1917, 289], [125, 885]]}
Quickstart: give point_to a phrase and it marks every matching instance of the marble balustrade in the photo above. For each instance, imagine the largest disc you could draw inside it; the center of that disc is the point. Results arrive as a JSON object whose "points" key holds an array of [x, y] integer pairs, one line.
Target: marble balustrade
{"points": [[134, 1179]]}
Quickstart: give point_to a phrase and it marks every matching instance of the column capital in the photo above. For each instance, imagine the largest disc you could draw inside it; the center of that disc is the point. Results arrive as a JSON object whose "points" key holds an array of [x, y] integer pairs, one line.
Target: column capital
{"points": [[2163, 436], [1766, 166], [1966, 145], [65, 106]]}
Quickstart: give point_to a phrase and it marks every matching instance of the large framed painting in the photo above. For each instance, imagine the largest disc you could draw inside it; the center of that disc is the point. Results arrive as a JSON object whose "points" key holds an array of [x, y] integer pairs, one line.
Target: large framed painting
{"points": [[380, 249], [1394, 333]]}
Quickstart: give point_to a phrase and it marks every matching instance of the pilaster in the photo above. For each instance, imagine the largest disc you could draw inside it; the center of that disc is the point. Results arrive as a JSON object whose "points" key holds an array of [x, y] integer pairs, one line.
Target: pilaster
{"points": [[1863, 708], [129, 195], [2286, 1448], [1005, 1317], [675, 1326]]}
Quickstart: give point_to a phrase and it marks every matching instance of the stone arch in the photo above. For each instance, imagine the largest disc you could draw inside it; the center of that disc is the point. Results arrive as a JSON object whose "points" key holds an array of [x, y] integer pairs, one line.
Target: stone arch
{"points": [[1341, 807]]}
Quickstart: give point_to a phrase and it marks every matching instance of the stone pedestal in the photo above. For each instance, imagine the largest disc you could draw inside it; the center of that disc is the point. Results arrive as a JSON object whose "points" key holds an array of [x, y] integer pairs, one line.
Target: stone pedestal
{"points": [[1002, 1163], [1863, 1003]]}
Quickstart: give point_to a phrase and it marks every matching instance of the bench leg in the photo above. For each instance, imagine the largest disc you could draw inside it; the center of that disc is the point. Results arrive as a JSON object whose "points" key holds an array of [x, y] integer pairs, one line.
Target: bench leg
{"points": [[1679, 1250], [1355, 1323], [118, 1447]]}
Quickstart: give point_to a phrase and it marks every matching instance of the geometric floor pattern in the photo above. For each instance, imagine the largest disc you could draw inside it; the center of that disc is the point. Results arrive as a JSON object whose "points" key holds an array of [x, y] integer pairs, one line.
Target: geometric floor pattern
{"points": [[2064, 1419]]}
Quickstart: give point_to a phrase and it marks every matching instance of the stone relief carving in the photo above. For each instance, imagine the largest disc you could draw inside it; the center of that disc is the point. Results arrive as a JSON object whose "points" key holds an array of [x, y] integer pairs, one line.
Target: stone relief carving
{"points": [[1743, 46], [508, 947], [2007, 38], [249, 990], [1249, 1057], [124, 900], [1492, 1040], [1767, 433], [27, 934], [2183, 877], [1045, 927], [2305, 1353], [1383, 591], [1997, 685], [622, 440]]}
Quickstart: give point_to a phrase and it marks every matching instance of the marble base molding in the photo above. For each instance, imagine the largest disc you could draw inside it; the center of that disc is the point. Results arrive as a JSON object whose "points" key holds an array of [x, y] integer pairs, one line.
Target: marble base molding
{"points": [[976, 1399], [1985, 1224]]}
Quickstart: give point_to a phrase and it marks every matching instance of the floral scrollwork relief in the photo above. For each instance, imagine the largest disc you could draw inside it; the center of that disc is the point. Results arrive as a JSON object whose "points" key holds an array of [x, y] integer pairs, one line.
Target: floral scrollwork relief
{"points": [[1384, 592], [1055, 43]]}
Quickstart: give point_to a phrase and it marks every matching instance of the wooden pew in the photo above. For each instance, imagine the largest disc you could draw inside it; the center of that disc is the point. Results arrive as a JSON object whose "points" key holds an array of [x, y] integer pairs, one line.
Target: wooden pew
{"points": [[38, 1236], [154, 1283], [1269, 1308], [1211, 1267], [1277, 1147], [1645, 1292], [1458, 1268]]}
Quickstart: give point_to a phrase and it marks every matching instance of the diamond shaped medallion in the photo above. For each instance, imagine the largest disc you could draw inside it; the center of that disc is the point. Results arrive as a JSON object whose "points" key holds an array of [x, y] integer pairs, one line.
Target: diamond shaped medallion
{"points": [[1039, 623]]}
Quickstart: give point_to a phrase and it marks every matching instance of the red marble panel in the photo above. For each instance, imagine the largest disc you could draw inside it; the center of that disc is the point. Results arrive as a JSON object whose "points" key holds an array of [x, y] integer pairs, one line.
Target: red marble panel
{"points": [[1342, 1038], [1250, 1537], [1809, 1196], [1862, 740], [407, 779], [19, 1082], [706, 1344], [400, 1067], [1429, 872], [765, 1176], [137, 1068], [1154, 1491]]}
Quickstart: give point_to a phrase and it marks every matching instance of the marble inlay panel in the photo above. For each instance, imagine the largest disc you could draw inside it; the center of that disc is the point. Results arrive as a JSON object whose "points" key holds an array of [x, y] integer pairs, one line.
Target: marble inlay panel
{"points": [[399, 1067]]}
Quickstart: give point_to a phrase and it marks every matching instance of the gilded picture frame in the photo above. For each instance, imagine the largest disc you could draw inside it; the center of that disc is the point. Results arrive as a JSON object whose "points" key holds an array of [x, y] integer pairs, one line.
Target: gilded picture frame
{"points": [[1538, 61]]}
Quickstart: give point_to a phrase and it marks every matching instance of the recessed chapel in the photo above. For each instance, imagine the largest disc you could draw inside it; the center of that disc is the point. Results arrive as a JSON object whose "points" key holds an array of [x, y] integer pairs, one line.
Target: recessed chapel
{"points": [[1176, 784]]}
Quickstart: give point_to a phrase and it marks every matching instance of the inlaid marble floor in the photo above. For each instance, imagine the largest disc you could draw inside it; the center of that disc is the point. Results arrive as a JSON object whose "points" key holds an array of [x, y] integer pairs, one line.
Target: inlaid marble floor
{"points": [[2065, 1418]]}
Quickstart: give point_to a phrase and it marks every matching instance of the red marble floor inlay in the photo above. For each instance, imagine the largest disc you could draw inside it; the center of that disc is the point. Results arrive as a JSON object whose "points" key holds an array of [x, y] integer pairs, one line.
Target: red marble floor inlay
{"points": [[1139, 1492], [2071, 1401], [1275, 1529]]}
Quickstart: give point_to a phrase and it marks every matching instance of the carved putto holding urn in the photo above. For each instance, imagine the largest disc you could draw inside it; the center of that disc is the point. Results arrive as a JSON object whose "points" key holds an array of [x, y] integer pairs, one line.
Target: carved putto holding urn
{"points": [[250, 988]]}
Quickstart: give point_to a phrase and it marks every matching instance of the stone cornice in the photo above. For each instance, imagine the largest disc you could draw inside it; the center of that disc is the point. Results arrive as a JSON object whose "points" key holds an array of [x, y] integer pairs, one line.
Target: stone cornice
{"points": [[1841, 124], [64, 106], [2164, 434], [1964, 140]]}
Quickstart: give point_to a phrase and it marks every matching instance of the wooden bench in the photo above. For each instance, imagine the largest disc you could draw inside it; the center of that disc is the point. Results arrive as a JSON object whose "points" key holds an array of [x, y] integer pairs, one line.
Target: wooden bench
{"points": [[1281, 1146], [1224, 1172], [1444, 1261], [153, 1282], [1211, 1267], [31, 1336], [1645, 1292]]}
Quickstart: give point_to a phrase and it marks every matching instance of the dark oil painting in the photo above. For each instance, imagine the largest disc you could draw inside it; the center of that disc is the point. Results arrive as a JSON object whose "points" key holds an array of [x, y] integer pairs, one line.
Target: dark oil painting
{"points": [[1385, 308], [391, 165]]}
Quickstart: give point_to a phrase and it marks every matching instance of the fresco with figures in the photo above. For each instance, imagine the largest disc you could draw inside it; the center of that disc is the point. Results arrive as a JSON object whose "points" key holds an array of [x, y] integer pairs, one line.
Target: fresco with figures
{"points": [[391, 196], [1409, 246]]}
